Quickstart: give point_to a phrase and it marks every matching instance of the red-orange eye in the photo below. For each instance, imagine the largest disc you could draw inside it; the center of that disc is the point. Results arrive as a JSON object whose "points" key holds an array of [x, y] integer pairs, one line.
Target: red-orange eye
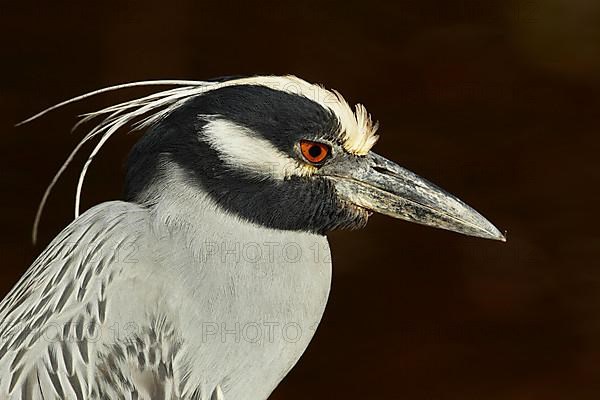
{"points": [[314, 152]]}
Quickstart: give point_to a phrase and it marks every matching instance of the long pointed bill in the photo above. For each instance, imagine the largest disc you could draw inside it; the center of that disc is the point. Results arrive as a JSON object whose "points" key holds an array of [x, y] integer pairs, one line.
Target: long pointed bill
{"points": [[379, 185]]}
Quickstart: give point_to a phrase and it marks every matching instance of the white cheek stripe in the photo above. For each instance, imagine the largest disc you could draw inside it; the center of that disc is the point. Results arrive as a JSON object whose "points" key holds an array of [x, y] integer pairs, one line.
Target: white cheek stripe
{"points": [[244, 150]]}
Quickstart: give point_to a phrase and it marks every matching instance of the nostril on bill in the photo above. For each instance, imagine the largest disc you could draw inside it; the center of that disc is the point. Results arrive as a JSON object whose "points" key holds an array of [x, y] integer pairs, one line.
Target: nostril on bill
{"points": [[383, 170]]}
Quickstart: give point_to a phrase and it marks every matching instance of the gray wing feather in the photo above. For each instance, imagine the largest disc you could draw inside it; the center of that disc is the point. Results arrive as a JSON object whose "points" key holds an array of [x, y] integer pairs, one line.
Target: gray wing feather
{"points": [[48, 317]]}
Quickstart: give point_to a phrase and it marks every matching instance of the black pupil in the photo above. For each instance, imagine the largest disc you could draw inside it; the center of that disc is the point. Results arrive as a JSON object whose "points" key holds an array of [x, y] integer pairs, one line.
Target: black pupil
{"points": [[314, 151]]}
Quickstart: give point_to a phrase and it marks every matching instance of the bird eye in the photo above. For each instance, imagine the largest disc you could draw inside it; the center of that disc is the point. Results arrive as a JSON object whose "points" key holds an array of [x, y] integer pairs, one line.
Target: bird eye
{"points": [[314, 152]]}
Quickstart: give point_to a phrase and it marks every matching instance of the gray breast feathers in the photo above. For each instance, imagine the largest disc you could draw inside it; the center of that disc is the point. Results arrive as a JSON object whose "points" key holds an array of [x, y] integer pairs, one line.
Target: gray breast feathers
{"points": [[65, 327]]}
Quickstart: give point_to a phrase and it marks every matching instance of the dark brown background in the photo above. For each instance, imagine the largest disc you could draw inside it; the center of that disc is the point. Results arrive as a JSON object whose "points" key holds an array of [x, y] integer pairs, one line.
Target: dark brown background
{"points": [[496, 101]]}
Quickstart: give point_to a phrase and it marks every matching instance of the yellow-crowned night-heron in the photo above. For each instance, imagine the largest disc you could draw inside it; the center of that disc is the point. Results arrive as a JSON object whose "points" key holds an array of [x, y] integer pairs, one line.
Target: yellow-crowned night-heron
{"points": [[208, 280]]}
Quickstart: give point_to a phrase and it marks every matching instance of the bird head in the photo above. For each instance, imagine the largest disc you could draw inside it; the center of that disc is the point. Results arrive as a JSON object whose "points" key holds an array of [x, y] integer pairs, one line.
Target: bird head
{"points": [[286, 154], [273, 150]]}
